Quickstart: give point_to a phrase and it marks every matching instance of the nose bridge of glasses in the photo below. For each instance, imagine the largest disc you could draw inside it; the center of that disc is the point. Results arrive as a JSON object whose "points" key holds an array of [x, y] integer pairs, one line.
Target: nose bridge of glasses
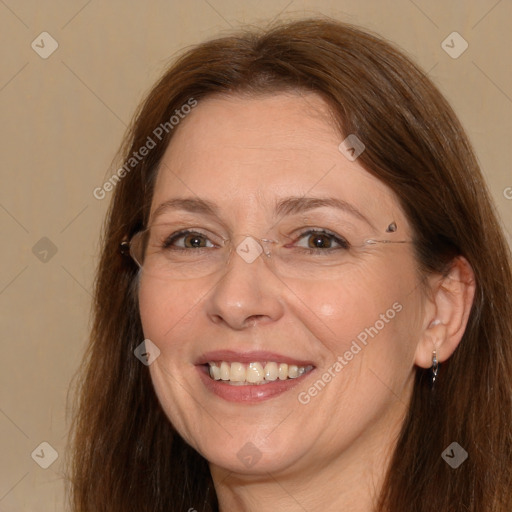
{"points": [[249, 247]]}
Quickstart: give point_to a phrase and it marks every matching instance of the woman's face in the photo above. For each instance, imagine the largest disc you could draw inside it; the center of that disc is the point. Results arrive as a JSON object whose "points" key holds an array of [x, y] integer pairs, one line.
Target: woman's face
{"points": [[349, 319]]}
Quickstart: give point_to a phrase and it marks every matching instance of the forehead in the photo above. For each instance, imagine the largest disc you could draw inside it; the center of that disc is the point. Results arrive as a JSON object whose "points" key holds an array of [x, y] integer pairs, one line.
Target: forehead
{"points": [[245, 153], [283, 123]]}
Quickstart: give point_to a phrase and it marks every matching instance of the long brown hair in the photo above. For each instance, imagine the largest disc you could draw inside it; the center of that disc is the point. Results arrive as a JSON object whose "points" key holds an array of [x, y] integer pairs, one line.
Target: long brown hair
{"points": [[126, 454]]}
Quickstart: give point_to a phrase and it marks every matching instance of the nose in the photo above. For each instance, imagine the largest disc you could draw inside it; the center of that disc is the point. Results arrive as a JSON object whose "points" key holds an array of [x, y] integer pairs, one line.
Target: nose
{"points": [[248, 293]]}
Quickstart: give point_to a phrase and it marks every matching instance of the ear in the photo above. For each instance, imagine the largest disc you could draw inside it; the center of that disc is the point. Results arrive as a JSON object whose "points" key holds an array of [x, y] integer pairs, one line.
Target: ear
{"points": [[446, 312]]}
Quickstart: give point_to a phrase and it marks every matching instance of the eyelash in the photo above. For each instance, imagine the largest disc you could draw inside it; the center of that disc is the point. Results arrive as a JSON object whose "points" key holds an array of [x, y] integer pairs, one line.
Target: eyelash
{"points": [[343, 243]]}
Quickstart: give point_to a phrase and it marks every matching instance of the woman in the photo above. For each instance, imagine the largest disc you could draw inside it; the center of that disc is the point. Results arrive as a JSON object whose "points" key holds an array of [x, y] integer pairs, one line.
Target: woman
{"points": [[302, 236]]}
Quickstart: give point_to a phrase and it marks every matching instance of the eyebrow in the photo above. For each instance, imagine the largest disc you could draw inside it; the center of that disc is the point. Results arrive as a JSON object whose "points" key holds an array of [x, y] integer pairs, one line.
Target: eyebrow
{"points": [[294, 205], [284, 207], [192, 205]]}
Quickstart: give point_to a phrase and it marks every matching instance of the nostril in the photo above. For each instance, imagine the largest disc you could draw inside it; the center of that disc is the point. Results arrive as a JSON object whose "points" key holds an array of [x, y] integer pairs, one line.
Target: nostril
{"points": [[254, 319]]}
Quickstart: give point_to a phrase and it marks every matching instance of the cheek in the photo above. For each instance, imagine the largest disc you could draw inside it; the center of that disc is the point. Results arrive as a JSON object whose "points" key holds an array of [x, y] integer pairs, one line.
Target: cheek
{"points": [[167, 312], [163, 305], [343, 307], [368, 317]]}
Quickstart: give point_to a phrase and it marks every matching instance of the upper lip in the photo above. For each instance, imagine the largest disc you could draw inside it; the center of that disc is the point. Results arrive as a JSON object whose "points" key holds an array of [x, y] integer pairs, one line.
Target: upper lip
{"points": [[250, 357]]}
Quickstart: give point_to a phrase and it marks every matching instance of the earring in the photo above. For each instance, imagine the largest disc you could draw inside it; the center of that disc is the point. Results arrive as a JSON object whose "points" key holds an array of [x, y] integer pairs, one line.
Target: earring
{"points": [[435, 368], [124, 247]]}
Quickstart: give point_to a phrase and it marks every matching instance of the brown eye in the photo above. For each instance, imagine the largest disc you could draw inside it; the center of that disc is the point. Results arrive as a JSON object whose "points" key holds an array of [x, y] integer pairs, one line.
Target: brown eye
{"points": [[321, 239], [187, 240], [192, 241]]}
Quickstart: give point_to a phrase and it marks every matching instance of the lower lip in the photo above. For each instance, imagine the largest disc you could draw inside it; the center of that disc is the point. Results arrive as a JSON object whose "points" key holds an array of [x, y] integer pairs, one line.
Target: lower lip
{"points": [[248, 393]]}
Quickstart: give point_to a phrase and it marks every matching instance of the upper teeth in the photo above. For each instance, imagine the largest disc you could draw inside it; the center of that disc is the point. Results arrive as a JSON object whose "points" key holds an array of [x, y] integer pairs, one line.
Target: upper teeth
{"points": [[255, 373]]}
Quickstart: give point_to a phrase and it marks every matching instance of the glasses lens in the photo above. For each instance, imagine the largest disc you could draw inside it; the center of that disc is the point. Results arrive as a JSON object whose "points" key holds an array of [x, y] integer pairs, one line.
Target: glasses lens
{"points": [[165, 253], [137, 247]]}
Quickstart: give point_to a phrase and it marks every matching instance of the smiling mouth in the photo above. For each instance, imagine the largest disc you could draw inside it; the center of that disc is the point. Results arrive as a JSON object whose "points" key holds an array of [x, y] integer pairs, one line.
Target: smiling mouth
{"points": [[240, 374]]}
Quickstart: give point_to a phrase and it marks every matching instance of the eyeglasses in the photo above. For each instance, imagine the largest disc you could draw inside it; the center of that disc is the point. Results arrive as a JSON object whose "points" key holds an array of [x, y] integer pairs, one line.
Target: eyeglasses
{"points": [[163, 252]]}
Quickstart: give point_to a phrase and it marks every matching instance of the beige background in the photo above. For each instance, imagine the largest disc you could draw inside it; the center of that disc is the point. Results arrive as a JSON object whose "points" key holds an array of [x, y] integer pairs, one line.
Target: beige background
{"points": [[62, 120]]}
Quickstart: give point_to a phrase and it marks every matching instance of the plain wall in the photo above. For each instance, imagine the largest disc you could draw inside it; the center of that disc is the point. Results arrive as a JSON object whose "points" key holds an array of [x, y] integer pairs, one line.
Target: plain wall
{"points": [[63, 118]]}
